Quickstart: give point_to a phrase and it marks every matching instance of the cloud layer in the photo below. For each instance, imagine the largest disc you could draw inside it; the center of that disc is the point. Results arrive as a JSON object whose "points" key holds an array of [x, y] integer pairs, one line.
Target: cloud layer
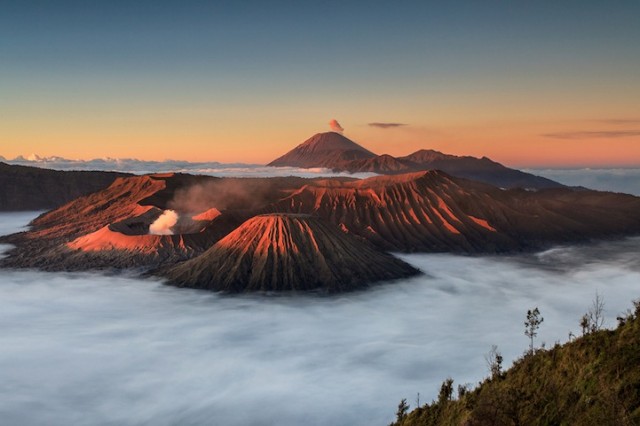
{"points": [[619, 180], [619, 121], [599, 134], [386, 125], [129, 351], [211, 168], [616, 180]]}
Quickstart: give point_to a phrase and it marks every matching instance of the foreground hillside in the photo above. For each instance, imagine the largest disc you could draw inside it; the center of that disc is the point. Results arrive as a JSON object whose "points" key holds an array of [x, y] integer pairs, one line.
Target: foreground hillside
{"points": [[593, 380]]}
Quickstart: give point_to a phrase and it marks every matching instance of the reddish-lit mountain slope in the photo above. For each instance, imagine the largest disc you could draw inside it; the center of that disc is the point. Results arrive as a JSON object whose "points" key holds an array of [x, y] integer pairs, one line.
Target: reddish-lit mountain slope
{"points": [[423, 211], [287, 252], [432, 211], [111, 228], [121, 200]]}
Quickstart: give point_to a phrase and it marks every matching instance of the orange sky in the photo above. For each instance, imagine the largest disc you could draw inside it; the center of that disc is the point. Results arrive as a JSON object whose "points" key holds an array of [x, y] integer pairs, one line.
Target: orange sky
{"points": [[527, 85], [522, 144]]}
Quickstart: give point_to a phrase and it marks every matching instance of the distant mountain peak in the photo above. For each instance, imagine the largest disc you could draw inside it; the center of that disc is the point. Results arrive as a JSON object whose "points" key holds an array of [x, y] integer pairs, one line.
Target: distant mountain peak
{"points": [[323, 150], [336, 152], [331, 141], [425, 155]]}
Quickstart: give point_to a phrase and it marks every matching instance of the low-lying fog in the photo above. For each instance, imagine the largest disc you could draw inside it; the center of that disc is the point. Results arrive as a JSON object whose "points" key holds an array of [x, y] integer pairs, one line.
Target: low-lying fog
{"points": [[93, 349], [625, 180]]}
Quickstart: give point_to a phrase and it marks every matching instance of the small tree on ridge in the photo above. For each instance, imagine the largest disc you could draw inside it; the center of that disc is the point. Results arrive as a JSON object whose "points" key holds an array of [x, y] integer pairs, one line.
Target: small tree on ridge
{"points": [[593, 320], [532, 324]]}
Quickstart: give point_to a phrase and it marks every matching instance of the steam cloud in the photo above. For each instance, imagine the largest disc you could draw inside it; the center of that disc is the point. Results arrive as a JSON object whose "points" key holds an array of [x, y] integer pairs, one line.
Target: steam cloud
{"points": [[335, 126], [229, 193], [164, 223]]}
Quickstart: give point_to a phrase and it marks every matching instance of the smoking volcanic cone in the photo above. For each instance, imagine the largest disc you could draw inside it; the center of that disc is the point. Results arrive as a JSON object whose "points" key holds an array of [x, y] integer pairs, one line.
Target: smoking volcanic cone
{"points": [[280, 252]]}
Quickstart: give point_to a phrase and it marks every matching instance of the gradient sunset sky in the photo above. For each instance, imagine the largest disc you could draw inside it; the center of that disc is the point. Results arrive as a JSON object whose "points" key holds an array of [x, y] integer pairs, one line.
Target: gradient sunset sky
{"points": [[537, 84]]}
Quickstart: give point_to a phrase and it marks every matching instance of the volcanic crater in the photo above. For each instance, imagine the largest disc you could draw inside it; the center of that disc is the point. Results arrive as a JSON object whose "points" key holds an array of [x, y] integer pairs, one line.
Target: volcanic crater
{"points": [[294, 234]]}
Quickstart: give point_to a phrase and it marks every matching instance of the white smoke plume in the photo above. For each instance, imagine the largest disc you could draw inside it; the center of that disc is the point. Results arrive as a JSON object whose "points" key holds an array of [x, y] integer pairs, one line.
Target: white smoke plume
{"points": [[164, 223], [335, 126]]}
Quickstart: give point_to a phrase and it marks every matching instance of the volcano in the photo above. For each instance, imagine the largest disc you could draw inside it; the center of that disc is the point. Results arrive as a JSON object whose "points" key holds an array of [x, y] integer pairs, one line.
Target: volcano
{"points": [[335, 222], [328, 149], [338, 153], [283, 252]]}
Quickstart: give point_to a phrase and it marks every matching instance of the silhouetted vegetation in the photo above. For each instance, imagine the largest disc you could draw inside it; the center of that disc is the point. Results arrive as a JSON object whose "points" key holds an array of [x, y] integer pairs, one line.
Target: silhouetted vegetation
{"points": [[532, 324], [593, 320], [592, 380], [494, 362]]}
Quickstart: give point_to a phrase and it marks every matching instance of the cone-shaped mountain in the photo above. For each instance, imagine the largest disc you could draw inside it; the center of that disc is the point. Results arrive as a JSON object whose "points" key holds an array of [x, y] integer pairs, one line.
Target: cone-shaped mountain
{"points": [[281, 252], [323, 150]]}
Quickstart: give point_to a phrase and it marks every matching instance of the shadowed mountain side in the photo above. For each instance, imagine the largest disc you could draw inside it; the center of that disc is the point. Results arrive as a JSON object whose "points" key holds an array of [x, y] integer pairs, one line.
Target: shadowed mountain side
{"points": [[287, 253], [432, 211], [33, 188], [328, 150], [480, 169], [383, 164]]}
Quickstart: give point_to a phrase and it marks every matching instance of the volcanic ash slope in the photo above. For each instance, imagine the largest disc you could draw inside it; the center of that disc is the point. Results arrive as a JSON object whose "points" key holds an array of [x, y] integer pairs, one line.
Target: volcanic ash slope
{"points": [[280, 252]]}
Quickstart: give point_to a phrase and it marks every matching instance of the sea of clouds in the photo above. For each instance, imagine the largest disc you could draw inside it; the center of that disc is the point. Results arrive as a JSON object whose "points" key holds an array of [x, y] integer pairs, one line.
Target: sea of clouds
{"points": [[625, 180], [86, 348], [211, 168]]}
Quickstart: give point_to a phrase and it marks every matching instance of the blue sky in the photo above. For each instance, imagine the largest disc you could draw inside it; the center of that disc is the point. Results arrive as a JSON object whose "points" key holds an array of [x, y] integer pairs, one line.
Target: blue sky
{"points": [[78, 75]]}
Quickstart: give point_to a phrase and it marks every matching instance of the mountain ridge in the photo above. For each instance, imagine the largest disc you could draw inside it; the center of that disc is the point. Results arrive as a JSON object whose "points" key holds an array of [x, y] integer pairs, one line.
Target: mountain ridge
{"points": [[590, 380], [324, 150], [425, 211]]}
